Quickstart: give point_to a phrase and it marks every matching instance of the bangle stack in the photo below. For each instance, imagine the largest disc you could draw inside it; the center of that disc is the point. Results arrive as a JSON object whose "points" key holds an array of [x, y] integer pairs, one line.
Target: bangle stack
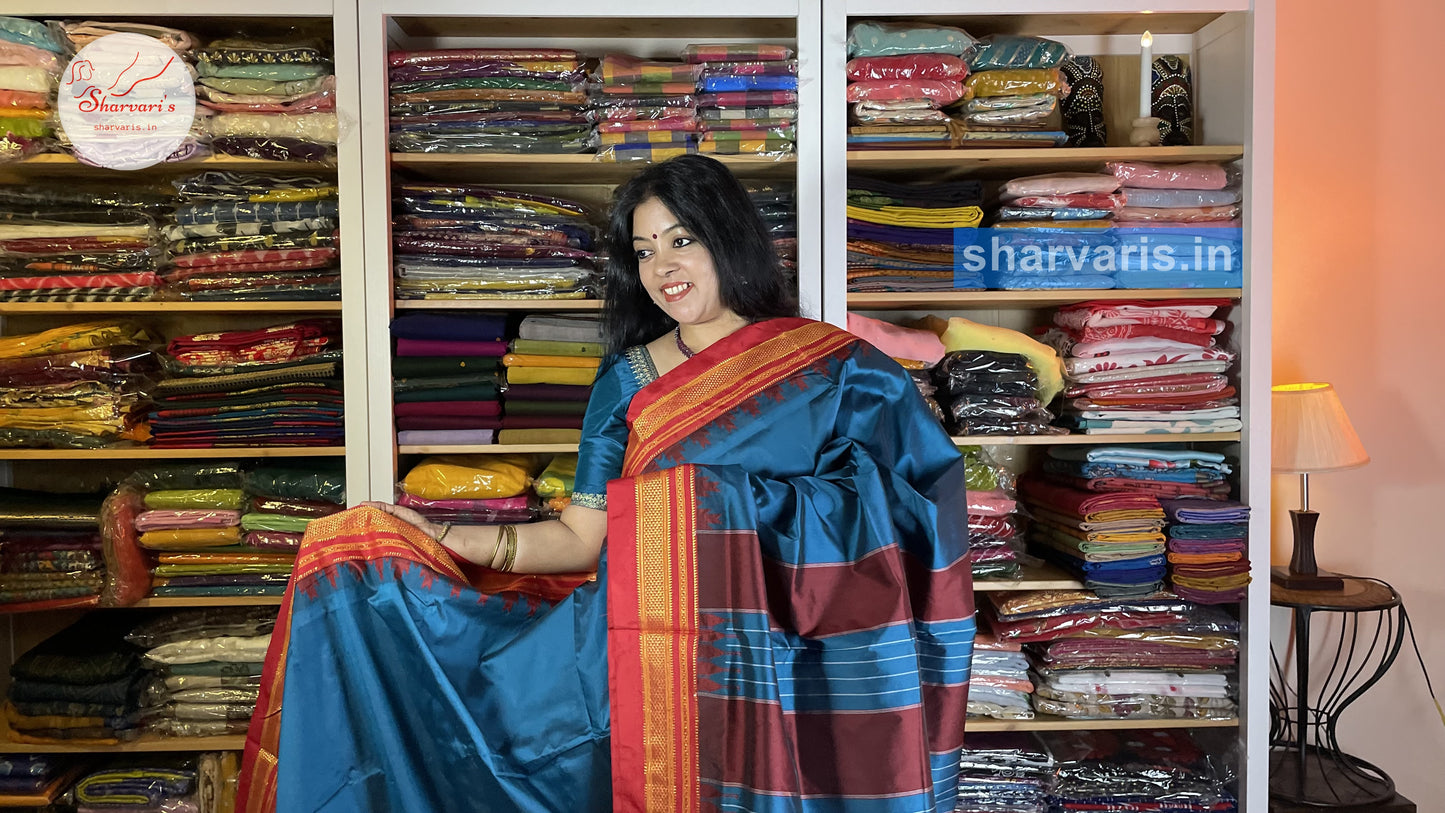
{"points": [[509, 558]]}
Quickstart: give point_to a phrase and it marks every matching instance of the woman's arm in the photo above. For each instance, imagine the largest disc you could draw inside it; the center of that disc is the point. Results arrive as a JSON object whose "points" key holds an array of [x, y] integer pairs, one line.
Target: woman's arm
{"points": [[571, 544]]}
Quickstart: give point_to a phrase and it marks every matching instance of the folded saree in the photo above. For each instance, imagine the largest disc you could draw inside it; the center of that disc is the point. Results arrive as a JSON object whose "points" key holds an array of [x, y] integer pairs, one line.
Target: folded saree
{"points": [[906, 656]]}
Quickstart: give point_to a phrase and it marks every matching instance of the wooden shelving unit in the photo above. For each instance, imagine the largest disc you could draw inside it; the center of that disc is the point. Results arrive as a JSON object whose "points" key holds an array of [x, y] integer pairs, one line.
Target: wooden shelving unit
{"points": [[1091, 440], [971, 300], [144, 453], [1044, 722], [175, 602], [164, 308], [145, 744], [583, 305], [1043, 577], [981, 162]]}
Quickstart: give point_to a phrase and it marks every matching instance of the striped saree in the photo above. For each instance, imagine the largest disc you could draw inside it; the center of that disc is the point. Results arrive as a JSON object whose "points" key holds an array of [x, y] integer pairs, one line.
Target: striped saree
{"points": [[788, 620]]}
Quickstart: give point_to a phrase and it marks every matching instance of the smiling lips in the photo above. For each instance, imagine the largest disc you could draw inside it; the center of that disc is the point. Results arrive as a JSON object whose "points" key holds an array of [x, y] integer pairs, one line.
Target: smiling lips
{"points": [[676, 291]]}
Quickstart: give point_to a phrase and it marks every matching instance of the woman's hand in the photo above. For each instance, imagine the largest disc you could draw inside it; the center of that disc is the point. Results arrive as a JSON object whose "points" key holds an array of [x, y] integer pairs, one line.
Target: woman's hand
{"points": [[426, 526]]}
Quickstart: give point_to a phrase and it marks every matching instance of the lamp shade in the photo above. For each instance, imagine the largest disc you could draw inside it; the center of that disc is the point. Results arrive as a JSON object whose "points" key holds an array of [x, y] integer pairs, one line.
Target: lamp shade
{"points": [[1311, 432]]}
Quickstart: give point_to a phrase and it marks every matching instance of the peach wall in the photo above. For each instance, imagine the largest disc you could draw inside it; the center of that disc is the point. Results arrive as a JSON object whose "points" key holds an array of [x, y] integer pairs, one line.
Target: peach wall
{"points": [[1359, 301]]}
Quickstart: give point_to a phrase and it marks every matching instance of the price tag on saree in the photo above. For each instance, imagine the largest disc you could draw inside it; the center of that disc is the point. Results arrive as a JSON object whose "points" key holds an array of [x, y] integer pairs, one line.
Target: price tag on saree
{"points": [[126, 102]]}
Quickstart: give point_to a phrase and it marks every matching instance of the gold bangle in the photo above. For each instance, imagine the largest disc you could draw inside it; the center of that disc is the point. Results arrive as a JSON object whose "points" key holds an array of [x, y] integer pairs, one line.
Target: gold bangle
{"points": [[498, 547], [511, 557], [446, 526]]}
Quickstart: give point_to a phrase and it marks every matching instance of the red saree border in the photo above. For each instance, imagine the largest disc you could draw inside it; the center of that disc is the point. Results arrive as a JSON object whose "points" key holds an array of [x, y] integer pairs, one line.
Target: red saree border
{"points": [[719, 378], [652, 645]]}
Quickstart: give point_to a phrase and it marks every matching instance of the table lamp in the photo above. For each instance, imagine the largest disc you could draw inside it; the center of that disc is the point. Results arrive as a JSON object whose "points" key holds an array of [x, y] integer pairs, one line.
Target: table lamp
{"points": [[1311, 434]]}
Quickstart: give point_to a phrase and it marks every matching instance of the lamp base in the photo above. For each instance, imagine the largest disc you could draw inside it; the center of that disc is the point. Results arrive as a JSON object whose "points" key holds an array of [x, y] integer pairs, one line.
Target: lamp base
{"points": [[1322, 580]]}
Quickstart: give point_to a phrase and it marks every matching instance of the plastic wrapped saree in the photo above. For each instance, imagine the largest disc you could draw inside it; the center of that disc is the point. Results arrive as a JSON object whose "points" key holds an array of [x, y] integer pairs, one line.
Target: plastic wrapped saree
{"points": [[782, 619]]}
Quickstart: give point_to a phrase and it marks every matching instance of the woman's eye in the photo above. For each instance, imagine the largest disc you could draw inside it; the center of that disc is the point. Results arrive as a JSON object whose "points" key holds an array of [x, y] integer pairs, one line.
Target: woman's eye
{"points": [[681, 242], [643, 253]]}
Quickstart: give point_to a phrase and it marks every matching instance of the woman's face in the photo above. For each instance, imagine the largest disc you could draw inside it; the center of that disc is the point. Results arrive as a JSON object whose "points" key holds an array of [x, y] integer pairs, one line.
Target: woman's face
{"points": [[675, 268]]}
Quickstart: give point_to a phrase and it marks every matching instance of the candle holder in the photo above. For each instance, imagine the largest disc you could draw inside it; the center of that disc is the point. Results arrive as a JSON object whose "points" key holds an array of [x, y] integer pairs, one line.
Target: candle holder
{"points": [[1145, 132]]}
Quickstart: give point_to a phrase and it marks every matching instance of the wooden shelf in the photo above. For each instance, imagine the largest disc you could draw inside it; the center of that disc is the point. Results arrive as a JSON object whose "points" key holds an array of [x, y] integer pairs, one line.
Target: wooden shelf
{"points": [[572, 168], [1051, 19], [977, 300], [1044, 722], [1043, 577], [500, 304], [146, 743], [66, 308], [1009, 161], [209, 601], [144, 453], [518, 448], [58, 164], [1089, 440]]}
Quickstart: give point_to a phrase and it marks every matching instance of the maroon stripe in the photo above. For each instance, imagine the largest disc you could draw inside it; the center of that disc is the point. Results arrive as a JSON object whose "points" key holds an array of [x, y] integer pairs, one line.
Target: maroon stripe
{"points": [[730, 571], [947, 707], [829, 599], [940, 595], [838, 754]]}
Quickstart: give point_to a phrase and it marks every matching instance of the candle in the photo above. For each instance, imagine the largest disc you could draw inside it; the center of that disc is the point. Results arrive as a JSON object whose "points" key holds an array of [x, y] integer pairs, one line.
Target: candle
{"points": [[1146, 74]]}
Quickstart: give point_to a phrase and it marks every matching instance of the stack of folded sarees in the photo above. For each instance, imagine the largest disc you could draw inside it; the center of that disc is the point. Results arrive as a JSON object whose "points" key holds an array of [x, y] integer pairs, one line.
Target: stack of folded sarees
{"points": [[1095, 657], [1188, 215], [1152, 367], [81, 686], [473, 489], [549, 378], [276, 386], [1113, 541], [747, 102], [204, 669], [30, 64], [998, 683], [646, 109], [36, 780], [1004, 772], [1162, 472], [1208, 549], [446, 378], [77, 386], [901, 237], [995, 539], [50, 550], [289, 498], [472, 242], [545, 382], [78, 256], [489, 100], [899, 78], [1052, 231], [777, 206], [242, 235], [1136, 772], [273, 100], [1014, 87], [153, 783], [555, 484]]}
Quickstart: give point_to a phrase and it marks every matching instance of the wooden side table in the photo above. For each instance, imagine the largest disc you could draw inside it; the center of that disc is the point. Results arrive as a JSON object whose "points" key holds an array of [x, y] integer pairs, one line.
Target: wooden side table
{"points": [[1307, 766]]}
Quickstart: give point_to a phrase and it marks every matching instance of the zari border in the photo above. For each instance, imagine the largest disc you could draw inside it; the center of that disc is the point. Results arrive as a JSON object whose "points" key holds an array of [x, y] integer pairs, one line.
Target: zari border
{"points": [[726, 377], [652, 642]]}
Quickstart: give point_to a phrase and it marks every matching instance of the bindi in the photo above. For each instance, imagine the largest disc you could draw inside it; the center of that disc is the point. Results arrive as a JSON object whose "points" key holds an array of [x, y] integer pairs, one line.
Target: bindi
{"points": [[654, 237]]}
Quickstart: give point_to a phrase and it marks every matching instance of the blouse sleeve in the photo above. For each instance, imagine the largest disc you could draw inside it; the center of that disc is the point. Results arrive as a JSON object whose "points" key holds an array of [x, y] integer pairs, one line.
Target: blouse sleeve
{"points": [[604, 434]]}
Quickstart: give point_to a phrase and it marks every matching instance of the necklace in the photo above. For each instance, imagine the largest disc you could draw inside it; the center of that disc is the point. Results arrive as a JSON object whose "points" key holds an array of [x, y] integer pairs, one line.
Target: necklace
{"points": [[681, 345]]}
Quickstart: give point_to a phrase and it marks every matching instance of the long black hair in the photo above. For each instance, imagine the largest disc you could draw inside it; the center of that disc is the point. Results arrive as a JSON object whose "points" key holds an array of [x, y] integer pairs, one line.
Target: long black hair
{"points": [[715, 209]]}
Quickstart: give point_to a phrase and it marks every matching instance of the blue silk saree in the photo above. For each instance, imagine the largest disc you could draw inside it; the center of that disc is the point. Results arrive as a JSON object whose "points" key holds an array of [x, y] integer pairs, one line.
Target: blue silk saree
{"points": [[782, 620]]}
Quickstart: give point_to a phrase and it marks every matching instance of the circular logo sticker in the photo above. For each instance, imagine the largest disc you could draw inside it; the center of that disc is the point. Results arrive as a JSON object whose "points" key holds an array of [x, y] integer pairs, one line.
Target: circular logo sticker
{"points": [[126, 102]]}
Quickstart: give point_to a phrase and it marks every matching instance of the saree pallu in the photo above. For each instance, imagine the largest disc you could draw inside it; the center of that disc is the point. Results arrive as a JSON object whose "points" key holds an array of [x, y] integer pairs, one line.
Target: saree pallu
{"points": [[752, 583]]}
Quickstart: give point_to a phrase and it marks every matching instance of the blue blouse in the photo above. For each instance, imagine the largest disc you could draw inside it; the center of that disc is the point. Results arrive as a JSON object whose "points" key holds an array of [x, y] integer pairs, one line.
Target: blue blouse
{"points": [[604, 427]]}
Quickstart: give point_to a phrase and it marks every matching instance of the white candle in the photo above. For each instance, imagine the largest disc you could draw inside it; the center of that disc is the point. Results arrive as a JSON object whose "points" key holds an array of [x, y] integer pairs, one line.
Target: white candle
{"points": [[1146, 74]]}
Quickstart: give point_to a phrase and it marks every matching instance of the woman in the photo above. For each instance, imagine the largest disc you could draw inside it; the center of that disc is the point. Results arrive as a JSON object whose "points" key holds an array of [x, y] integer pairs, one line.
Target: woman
{"points": [[788, 613]]}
